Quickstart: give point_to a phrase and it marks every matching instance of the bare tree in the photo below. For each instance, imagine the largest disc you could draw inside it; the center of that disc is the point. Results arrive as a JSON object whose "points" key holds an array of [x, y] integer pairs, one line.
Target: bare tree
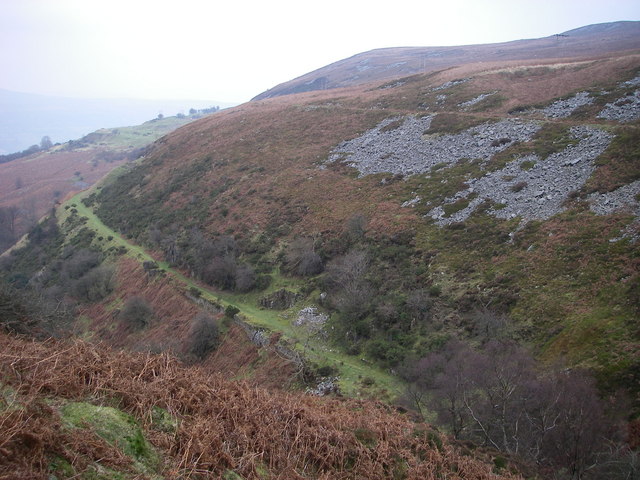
{"points": [[576, 444], [346, 272], [301, 257], [245, 278], [489, 325], [345, 277], [203, 335], [443, 382], [8, 216], [79, 263], [221, 272], [419, 305], [45, 143], [96, 284], [497, 396], [500, 377]]}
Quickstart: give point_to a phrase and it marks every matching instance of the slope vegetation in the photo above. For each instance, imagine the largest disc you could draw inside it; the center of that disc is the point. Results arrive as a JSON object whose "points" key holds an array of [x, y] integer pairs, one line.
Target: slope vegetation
{"points": [[69, 410], [277, 175], [391, 63], [32, 184], [338, 240]]}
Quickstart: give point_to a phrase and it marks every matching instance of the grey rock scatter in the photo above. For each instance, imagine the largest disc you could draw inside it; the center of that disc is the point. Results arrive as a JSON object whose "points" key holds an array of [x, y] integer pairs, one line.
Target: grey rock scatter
{"points": [[450, 84], [411, 203], [634, 82], [564, 108], [406, 150], [536, 193], [623, 110], [625, 197], [476, 100]]}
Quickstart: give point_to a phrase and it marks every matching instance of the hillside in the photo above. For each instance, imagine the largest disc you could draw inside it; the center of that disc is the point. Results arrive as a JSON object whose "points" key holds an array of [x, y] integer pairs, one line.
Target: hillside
{"points": [[462, 242], [33, 183], [69, 410], [504, 236], [383, 64]]}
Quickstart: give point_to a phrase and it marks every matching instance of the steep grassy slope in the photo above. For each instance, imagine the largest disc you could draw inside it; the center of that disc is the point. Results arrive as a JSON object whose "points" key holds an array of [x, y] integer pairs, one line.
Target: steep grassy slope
{"points": [[259, 173]]}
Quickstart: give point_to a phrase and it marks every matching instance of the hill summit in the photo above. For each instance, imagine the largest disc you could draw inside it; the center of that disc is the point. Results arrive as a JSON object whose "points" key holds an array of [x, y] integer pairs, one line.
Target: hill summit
{"points": [[387, 63]]}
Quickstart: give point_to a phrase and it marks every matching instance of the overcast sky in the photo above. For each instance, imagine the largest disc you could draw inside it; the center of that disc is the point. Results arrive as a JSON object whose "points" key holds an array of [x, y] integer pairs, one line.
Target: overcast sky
{"points": [[232, 50]]}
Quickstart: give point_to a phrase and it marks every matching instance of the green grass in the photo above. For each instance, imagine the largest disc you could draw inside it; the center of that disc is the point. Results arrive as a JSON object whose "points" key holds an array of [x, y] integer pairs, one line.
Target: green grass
{"points": [[116, 428], [135, 136]]}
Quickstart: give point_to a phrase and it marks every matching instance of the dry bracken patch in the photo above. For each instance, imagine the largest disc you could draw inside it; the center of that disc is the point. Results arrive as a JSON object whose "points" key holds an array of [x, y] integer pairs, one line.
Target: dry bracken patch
{"points": [[221, 425]]}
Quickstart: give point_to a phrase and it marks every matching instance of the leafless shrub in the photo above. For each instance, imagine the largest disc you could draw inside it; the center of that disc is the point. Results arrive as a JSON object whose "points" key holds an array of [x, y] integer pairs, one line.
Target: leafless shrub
{"points": [[79, 263], [136, 312], [221, 272], [96, 284], [419, 304], [355, 227], [302, 259], [203, 336]]}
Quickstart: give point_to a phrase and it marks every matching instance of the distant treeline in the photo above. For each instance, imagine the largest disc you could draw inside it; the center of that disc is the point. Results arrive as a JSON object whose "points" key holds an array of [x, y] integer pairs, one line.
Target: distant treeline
{"points": [[203, 111], [194, 111]]}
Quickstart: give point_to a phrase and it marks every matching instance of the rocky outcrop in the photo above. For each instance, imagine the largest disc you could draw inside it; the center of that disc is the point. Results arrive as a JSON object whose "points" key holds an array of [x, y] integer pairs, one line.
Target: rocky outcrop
{"points": [[310, 317], [325, 387], [279, 300]]}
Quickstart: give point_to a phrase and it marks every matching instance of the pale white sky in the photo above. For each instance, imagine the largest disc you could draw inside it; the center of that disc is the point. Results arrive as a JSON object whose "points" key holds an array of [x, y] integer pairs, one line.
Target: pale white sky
{"points": [[232, 50]]}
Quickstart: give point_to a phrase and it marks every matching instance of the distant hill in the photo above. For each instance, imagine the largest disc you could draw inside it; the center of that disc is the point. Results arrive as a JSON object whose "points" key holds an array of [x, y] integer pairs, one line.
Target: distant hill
{"points": [[25, 118], [386, 63]]}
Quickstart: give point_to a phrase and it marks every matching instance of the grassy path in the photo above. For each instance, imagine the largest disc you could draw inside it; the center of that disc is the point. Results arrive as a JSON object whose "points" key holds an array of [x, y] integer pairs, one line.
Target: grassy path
{"points": [[352, 369]]}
